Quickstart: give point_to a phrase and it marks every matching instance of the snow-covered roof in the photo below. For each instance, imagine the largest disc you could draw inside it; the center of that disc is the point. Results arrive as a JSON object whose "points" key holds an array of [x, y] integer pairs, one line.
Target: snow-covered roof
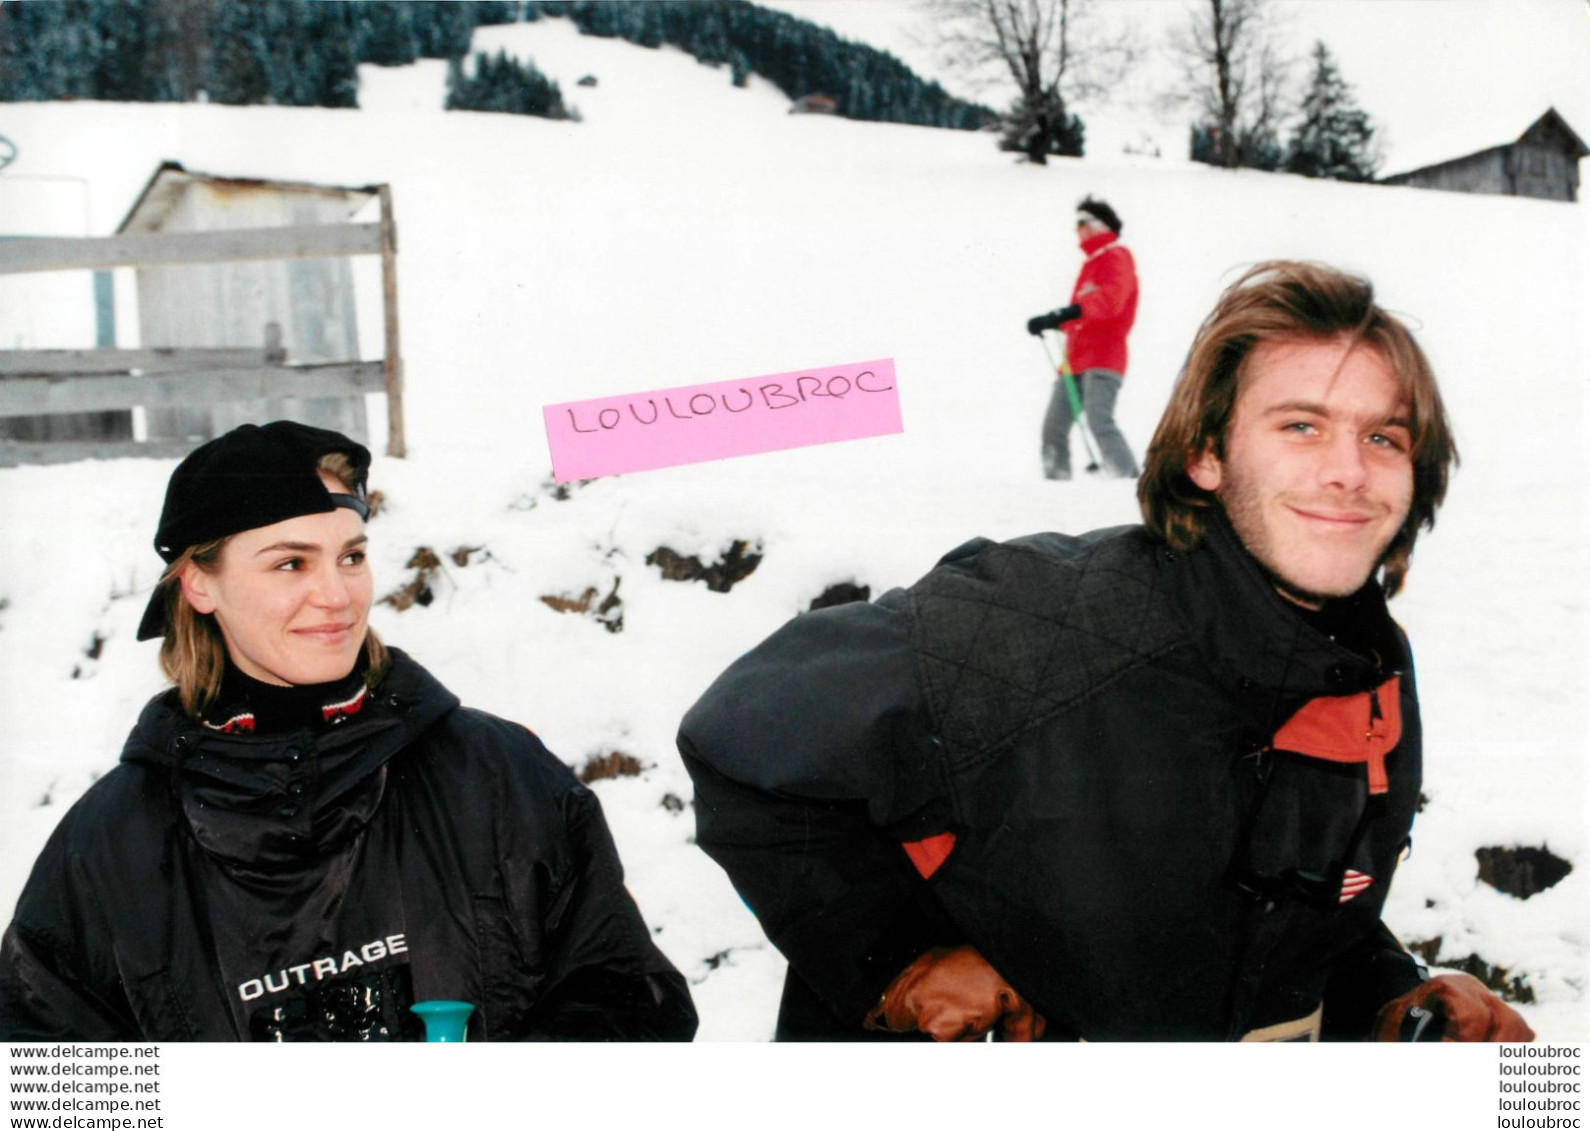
{"points": [[1462, 139]]}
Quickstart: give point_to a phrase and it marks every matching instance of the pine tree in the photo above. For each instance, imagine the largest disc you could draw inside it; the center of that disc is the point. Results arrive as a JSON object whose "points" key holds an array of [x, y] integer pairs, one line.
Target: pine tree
{"points": [[455, 85], [1335, 138], [329, 64], [122, 33], [177, 47], [1051, 131], [236, 75], [739, 68], [291, 60], [49, 49], [21, 56], [442, 28], [504, 85], [386, 33], [487, 13]]}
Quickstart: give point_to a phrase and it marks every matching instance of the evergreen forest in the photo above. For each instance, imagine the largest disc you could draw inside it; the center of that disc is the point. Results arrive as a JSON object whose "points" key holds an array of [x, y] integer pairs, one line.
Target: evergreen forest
{"points": [[306, 53]]}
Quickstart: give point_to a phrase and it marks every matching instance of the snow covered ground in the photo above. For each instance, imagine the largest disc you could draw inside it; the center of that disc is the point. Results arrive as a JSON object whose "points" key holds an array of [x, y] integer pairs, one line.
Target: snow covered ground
{"points": [[686, 231]]}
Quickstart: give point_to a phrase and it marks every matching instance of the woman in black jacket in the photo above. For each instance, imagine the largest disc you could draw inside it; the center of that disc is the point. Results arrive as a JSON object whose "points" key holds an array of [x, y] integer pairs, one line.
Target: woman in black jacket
{"points": [[308, 834]]}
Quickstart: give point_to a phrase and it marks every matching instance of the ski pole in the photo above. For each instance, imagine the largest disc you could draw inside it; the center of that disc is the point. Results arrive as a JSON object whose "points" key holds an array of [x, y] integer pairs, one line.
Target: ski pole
{"points": [[1064, 369]]}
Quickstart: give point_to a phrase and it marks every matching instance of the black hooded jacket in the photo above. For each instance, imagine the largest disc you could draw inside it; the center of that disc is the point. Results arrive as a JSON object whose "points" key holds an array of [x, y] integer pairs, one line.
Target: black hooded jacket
{"points": [[1146, 789], [313, 884]]}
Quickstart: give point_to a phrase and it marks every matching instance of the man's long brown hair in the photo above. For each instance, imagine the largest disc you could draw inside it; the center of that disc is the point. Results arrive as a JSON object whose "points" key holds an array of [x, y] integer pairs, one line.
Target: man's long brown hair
{"points": [[1289, 301], [193, 653]]}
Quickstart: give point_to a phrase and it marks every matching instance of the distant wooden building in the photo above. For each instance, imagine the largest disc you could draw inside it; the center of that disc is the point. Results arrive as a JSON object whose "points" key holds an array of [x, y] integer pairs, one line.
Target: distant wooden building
{"points": [[231, 304], [814, 104], [1542, 162]]}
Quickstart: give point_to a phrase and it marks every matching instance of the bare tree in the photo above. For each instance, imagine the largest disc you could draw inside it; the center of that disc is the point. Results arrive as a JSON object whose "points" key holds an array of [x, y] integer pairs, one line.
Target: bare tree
{"points": [[1054, 51], [1233, 71]]}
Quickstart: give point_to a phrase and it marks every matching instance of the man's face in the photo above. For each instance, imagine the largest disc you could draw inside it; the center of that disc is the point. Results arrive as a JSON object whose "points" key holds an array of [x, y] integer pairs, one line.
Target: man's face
{"points": [[1088, 228], [1317, 477]]}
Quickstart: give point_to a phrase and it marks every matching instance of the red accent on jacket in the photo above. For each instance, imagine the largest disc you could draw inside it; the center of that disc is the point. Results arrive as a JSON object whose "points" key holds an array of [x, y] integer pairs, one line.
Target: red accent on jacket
{"points": [[350, 706], [929, 852], [1106, 291], [1350, 728]]}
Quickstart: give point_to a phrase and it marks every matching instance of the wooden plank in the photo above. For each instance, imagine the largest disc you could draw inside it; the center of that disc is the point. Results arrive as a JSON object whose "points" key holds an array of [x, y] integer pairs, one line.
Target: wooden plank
{"points": [[226, 245], [39, 396], [87, 361], [112, 424], [396, 444], [15, 453]]}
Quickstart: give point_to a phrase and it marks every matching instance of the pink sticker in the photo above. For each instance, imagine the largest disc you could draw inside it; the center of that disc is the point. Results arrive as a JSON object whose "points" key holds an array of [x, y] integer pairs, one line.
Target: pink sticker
{"points": [[695, 423]]}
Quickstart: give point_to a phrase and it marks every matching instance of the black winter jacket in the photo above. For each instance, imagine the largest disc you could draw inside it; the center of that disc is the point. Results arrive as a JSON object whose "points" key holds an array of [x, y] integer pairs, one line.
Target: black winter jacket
{"points": [[1096, 731], [314, 884]]}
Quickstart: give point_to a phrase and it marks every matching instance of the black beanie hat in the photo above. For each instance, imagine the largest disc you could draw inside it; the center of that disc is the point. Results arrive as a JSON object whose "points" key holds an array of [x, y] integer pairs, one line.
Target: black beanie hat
{"points": [[254, 475], [1101, 212]]}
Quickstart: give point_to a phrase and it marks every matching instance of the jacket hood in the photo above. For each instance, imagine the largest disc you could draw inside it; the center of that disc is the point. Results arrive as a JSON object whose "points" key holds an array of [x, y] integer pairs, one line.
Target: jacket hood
{"points": [[263, 804]]}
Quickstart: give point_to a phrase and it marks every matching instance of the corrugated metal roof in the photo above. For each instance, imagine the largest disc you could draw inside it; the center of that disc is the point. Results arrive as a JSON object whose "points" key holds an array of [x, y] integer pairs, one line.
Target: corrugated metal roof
{"points": [[170, 181]]}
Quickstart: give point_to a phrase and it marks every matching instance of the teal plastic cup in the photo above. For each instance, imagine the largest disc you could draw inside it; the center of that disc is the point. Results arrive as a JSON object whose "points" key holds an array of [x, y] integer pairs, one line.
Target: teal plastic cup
{"points": [[445, 1021]]}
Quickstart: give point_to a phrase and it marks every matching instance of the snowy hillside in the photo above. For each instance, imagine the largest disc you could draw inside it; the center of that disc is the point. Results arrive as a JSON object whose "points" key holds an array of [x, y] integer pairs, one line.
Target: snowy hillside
{"points": [[686, 231]]}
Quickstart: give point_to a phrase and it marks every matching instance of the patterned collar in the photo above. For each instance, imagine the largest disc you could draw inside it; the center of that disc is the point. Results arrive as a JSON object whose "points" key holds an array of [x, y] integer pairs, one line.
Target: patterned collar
{"points": [[249, 706]]}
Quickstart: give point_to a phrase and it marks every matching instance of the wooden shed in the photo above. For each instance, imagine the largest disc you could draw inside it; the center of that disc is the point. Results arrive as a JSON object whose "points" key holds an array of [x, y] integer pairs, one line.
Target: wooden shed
{"points": [[1542, 162], [231, 304], [246, 311]]}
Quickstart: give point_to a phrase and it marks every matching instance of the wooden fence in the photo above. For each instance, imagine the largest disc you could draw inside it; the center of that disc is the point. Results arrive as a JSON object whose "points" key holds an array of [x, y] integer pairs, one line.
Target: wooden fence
{"points": [[47, 382]]}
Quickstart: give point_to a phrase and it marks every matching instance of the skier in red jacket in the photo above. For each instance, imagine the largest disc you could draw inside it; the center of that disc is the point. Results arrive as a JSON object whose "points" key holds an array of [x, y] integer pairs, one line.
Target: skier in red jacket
{"points": [[1103, 307]]}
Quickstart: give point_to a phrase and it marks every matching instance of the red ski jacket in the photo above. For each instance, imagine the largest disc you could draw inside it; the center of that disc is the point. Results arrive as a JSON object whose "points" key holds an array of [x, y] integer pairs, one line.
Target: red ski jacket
{"points": [[1106, 291]]}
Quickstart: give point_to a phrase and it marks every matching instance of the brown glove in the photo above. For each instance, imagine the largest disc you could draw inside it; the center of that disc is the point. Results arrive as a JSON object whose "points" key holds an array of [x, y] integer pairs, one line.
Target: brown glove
{"points": [[953, 994], [1471, 1012]]}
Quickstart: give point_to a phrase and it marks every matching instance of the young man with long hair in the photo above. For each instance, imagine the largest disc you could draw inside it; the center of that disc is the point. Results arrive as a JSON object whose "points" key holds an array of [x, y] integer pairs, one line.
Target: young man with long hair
{"points": [[1146, 783]]}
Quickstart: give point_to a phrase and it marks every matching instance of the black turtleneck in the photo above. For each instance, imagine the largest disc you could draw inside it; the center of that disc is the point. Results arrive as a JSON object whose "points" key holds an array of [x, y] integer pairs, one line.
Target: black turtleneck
{"points": [[275, 708], [1358, 623]]}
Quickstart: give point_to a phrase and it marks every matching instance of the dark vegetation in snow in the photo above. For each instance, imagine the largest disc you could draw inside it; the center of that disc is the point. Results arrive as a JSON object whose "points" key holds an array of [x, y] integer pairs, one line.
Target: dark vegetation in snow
{"points": [[505, 85], [607, 611], [417, 590], [612, 764], [738, 562], [557, 492], [428, 566], [1521, 872], [840, 593]]}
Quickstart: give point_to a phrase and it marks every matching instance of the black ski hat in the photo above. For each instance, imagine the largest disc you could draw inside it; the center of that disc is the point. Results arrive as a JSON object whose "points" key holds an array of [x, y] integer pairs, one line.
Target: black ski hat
{"points": [[254, 475], [1101, 212]]}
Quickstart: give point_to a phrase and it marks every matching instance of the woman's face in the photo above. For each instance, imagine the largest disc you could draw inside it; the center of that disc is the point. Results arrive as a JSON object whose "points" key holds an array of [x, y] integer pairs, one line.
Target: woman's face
{"points": [[293, 598]]}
